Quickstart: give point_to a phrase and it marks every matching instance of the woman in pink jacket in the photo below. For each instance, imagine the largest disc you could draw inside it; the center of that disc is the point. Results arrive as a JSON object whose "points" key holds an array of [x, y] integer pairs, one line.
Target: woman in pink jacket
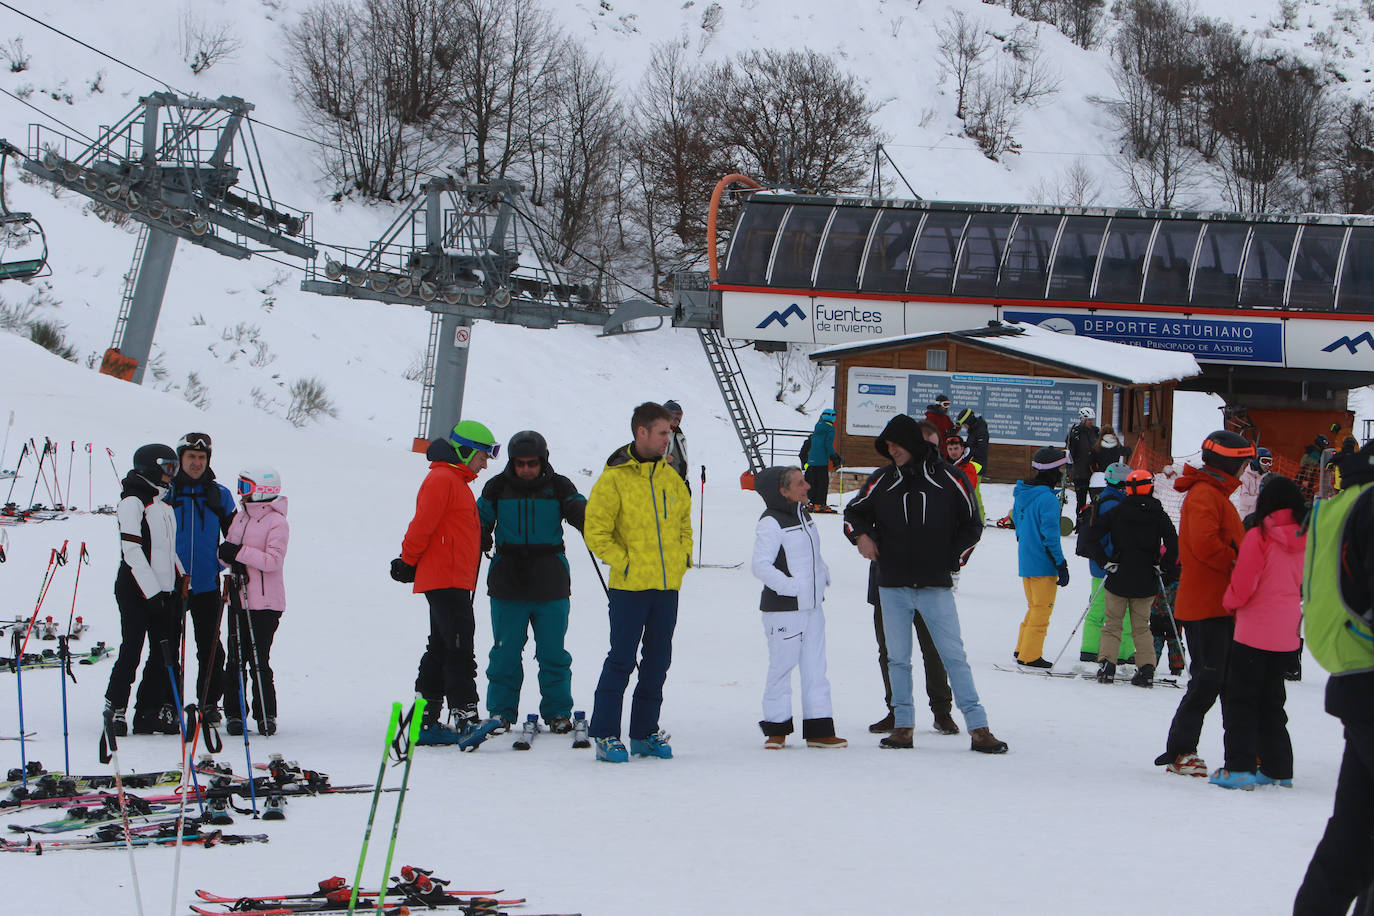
{"points": [[255, 548], [1265, 596]]}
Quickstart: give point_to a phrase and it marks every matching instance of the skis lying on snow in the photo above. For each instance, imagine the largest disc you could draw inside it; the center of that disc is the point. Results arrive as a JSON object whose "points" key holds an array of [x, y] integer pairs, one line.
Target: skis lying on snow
{"points": [[114, 839], [408, 881], [49, 658], [1092, 676], [45, 785]]}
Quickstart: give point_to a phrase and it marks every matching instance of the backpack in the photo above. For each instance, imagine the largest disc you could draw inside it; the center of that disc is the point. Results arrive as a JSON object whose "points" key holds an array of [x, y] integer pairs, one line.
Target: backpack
{"points": [[1083, 544], [805, 453], [1339, 636]]}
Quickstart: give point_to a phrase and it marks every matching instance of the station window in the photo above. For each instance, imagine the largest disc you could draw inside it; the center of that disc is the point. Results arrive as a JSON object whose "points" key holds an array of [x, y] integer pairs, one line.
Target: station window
{"points": [[1266, 265], [1218, 264], [1171, 260], [1314, 268], [752, 244], [1357, 277], [842, 252], [932, 269], [889, 255], [984, 240], [1028, 257], [1123, 260], [1072, 274], [798, 243]]}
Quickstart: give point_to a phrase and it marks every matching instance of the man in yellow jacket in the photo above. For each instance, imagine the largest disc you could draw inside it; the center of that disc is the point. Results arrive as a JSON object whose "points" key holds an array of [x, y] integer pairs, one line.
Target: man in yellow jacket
{"points": [[639, 522]]}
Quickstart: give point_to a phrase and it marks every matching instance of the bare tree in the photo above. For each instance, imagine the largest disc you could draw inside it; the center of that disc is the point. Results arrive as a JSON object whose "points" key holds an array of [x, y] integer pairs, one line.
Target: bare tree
{"points": [[204, 44], [792, 117], [991, 116], [1077, 186], [963, 45]]}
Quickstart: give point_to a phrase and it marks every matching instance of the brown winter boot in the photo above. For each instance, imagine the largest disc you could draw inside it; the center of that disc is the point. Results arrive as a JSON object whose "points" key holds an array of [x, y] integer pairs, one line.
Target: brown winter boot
{"points": [[945, 724], [829, 741], [900, 738], [883, 725], [774, 742], [985, 742]]}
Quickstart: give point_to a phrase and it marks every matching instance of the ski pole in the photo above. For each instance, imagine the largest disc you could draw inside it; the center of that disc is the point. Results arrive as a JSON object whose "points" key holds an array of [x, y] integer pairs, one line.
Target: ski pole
{"points": [[57, 499], [405, 748], [64, 652], [1173, 622], [6, 447], [109, 752], [391, 729], [1081, 618], [71, 460], [55, 559], [701, 516], [212, 743], [90, 481], [169, 659], [39, 473], [110, 455], [597, 566], [15, 479], [236, 614], [259, 697]]}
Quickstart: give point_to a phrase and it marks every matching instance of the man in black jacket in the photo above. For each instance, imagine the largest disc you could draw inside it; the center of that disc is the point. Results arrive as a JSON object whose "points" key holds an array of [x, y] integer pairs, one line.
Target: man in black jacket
{"points": [[1079, 443], [916, 519], [978, 437]]}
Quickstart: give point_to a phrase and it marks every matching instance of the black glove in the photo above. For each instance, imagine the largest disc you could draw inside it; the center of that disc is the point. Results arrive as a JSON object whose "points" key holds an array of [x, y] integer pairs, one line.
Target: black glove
{"points": [[1168, 574], [1063, 574], [836, 461], [488, 542], [402, 571], [228, 552]]}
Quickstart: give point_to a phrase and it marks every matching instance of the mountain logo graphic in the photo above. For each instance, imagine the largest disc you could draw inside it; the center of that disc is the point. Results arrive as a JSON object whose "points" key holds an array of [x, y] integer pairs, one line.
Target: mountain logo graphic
{"points": [[781, 317], [1351, 345]]}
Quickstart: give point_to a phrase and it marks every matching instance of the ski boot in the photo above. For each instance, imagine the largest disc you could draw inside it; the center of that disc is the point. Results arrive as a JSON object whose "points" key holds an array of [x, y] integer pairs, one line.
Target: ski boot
{"points": [[1144, 676], [474, 732], [580, 725], [611, 750], [233, 726], [267, 727], [656, 745], [1106, 672], [114, 721], [560, 725], [211, 716], [273, 808], [432, 731], [528, 730], [1228, 780]]}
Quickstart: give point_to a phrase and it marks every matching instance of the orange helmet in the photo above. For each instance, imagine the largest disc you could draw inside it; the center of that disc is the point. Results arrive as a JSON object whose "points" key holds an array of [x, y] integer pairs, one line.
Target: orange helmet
{"points": [[1139, 482]]}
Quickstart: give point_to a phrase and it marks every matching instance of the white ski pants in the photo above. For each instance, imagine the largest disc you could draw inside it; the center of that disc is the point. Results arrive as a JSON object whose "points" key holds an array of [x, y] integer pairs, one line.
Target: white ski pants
{"points": [[795, 638]]}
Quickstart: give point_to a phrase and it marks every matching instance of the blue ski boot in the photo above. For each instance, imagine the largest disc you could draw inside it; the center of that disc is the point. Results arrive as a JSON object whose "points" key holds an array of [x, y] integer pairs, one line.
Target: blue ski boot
{"points": [[471, 735], [656, 745], [611, 750], [437, 733], [1228, 780]]}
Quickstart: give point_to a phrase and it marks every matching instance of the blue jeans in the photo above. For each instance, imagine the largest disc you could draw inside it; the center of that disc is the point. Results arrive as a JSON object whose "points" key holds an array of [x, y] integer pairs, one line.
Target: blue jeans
{"points": [[942, 618], [647, 617]]}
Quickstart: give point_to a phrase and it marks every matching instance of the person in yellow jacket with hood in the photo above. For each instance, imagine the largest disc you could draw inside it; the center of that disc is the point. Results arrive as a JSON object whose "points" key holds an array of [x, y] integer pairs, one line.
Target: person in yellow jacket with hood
{"points": [[639, 522]]}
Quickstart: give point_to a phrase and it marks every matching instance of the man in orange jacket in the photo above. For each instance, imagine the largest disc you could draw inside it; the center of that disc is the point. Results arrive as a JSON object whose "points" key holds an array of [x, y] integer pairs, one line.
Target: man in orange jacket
{"points": [[1209, 536], [440, 554]]}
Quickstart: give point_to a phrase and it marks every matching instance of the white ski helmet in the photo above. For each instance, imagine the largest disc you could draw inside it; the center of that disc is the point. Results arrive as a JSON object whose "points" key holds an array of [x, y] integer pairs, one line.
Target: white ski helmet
{"points": [[1087, 413], [259, 484]]}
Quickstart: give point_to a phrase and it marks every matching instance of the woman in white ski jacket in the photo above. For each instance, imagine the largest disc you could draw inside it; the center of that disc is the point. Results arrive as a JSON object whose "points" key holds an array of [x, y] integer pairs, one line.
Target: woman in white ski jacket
{"points": [[787, 559], [147, 577]]}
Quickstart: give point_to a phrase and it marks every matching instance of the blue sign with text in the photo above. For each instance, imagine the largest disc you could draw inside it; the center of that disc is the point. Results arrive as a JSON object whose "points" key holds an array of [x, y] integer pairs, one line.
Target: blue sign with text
{"points": [[1208, 339]]}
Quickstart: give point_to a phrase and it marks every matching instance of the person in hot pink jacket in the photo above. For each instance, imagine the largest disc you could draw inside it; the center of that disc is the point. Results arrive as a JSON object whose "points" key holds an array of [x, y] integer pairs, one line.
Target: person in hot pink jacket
{"points": [[255, 550], [1265, 594]]}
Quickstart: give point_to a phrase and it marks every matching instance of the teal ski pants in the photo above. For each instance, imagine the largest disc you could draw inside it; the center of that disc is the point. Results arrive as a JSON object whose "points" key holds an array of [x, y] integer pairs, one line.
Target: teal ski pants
{"points": [[511, 622]]}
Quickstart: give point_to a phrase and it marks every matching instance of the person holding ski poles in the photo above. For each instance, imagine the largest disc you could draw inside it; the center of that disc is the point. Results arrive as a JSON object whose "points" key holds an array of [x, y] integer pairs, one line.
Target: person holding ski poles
{"points": [[1039, 555], [149, 570], [1210, 533], [1133, 543], [522, 510], [639, 522], [787, 560], [203, 509], [440, 555], [1102, 503], [254, 549]]}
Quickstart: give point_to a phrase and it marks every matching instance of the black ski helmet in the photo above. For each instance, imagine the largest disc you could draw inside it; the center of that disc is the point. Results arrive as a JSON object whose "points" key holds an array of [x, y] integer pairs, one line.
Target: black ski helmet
{"points": [[1226, 451], [1049, 458], [528, 444], [153, 460]]}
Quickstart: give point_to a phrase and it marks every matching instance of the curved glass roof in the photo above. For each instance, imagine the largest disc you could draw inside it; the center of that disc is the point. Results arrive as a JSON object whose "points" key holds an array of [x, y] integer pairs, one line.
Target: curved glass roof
{"points": [[1169, 258]]}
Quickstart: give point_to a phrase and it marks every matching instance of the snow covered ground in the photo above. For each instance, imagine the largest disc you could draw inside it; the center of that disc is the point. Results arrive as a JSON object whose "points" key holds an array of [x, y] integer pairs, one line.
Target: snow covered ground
{"points": [[1073, 817]]}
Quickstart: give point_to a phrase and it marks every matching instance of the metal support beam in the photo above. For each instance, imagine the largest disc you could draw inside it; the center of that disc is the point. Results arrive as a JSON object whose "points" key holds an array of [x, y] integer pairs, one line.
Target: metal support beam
{"points": [[450, 375], [153, 272]]}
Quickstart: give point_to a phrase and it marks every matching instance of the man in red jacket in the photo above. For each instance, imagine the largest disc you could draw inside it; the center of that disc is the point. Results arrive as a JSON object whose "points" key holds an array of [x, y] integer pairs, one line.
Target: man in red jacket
{"points": [[440, 554], [1209, 536]]}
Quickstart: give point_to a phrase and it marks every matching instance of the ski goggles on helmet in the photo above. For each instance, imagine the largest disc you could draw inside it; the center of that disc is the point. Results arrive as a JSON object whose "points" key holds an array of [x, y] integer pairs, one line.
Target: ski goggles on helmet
{"points": [[491, 449], [168, 466], [199, 442], [258, 492]]}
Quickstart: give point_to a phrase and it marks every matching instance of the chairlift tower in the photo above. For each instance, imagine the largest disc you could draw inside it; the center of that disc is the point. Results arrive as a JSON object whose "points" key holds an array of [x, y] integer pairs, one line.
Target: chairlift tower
{"points": [[469, 252], [175, 165]]}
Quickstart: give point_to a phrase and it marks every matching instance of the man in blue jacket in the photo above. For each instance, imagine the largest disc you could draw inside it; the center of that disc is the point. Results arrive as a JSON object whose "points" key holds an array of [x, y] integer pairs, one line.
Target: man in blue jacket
{"points": [[203, 509], [818, 460], [522, 511]]}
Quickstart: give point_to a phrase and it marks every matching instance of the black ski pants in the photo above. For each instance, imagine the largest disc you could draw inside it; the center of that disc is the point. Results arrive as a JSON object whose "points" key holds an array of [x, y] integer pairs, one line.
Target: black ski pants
{"points": [[448, 669], [1253, 714], [818, 483], [1209, 644], [1342, 867], [1082, 496], [937, 679], [250, 652], [141, 619], [207, 610]]}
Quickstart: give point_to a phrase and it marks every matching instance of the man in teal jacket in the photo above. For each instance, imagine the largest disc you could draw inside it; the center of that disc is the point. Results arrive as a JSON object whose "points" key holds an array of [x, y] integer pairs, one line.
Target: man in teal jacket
{"points": [[522, 510]]}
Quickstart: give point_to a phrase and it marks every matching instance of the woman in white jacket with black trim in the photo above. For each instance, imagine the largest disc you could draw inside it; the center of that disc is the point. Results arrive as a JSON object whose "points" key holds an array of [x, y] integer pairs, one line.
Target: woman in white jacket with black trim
{"points": [[787, 559], [148, 572]]}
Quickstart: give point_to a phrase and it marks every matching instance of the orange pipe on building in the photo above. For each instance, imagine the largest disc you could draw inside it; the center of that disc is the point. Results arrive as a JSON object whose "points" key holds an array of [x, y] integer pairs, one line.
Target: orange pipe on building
{"points": [[721, 185]]}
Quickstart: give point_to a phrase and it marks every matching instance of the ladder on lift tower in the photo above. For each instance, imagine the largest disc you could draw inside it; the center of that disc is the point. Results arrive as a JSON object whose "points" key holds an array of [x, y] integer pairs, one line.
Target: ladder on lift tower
{"points": [[126, 304], [734, 389], [427, 379]]}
